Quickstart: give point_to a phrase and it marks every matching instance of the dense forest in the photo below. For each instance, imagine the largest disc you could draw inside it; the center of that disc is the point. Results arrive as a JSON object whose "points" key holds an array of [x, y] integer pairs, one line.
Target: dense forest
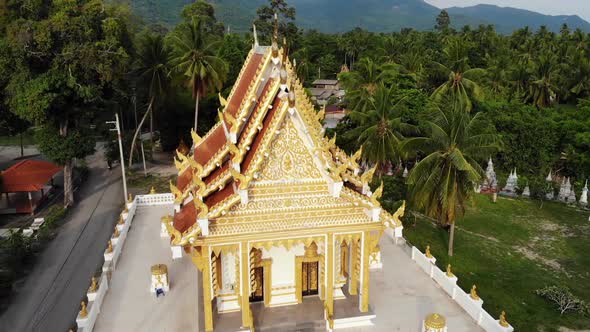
{"points": [[65, 67]]}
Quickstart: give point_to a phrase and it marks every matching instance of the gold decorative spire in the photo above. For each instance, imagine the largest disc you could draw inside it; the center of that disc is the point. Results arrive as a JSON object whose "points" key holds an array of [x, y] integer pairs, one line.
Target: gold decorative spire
{"points": [[153, 191], [311, 250], [109, 247], [377, 194], [427, 253], [503, 322], [93, 286], [121, 220], [222, 101], [473, 293], [116, 233], [449, 272], [196, 138], [275, 33], [83, 311]]}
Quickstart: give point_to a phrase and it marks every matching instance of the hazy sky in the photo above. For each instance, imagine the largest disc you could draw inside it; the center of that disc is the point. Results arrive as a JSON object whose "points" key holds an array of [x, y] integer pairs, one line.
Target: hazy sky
{"points": [[551, 7]]}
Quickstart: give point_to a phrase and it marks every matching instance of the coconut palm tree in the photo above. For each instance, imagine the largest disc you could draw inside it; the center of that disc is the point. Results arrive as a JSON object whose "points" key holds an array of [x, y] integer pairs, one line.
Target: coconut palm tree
{"points": [[442, 181], [462, 83], [194, 56], [541, 87], [380, 129], [153, 68], [361, 83]]}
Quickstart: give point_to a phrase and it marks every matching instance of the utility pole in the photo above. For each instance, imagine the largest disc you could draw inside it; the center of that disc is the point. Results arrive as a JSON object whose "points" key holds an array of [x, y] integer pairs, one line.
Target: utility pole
{"points": [[122, 161]]}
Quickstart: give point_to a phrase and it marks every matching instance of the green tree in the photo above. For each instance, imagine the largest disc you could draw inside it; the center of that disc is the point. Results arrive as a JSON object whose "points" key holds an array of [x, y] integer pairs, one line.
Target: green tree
{"points": [[265, 21], [380, 127], [443, 21], [462, 83], [195, 57], [541, 87], [442, 181], [205, 12], [153, 69], [70, 57]]}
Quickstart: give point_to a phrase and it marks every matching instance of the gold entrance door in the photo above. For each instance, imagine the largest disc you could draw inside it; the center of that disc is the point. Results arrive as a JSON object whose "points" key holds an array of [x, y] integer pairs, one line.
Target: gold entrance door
{"points": [[309, 275], [258, 285]]}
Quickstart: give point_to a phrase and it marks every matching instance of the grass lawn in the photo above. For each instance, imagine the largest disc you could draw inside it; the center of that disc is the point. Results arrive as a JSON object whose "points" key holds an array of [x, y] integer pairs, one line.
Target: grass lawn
{"points": [[141, 185], [512, 248], [28, 139]]}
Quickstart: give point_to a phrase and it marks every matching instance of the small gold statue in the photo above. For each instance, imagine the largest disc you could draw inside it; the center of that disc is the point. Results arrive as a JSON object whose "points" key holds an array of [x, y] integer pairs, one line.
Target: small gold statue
{"points": [[121, 220], [427, 253], [116, 233], [93, 286], [449, 272], [473, 293], [110, 247], [125, 209], [503, 322], [129, 198], [152, 191], [83, 312]]}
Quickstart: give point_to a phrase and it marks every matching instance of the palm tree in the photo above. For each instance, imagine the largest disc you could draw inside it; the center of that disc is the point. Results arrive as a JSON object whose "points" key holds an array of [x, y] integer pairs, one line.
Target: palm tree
{"points": [[443, 180], [541, 89], [380, 128], [461, 85], [153, 69], [194, 55], [361, 83]]}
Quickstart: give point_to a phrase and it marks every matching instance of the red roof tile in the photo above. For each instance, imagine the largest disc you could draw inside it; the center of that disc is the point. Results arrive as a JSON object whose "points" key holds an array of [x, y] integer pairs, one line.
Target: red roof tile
{"points": [[267, 119], [187, 217], [220, 195], [28, 176]]}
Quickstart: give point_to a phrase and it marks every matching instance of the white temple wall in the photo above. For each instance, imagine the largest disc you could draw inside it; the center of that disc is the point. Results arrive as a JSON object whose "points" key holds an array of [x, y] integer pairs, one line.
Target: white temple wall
{"points": [[228, 262]]}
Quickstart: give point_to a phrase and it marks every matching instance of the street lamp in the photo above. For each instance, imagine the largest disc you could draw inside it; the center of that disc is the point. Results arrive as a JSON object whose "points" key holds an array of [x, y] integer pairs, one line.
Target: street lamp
{"points": [[122, 161]]}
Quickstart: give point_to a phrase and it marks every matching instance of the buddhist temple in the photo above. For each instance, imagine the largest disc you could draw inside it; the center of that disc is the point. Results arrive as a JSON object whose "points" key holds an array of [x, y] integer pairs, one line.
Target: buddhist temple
{"points": [[270, 210]]}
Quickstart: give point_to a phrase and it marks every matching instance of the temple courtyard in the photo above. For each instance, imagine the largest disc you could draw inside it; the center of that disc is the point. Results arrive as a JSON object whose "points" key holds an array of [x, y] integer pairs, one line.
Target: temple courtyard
{"points": [[401, 294]]}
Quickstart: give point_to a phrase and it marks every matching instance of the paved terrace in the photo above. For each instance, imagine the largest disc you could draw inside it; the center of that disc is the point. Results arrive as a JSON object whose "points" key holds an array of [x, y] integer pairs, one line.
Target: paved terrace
{"points": [[401, 294]]}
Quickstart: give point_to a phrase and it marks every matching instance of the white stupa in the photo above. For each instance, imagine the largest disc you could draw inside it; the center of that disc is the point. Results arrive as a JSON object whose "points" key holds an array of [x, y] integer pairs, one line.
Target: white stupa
{"points": [[584, 197]]}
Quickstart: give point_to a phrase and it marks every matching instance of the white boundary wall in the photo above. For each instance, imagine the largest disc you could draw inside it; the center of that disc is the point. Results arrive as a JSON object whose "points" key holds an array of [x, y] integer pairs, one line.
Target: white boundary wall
{"points": [[110, 259], [464, 300]]}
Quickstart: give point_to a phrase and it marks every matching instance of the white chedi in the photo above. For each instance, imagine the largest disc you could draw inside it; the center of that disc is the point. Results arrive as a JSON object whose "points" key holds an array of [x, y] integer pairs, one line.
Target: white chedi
{"points": [[584, 197], [526, 192], [571, 198], [405, 173]]}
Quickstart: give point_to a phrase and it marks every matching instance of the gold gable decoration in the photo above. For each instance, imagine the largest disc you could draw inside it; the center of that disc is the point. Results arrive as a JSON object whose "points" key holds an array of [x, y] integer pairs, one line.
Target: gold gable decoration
{"points": [[288, 157]]}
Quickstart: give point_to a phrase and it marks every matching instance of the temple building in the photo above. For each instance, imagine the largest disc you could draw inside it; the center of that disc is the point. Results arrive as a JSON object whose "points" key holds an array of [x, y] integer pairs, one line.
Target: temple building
{"points": [[270, 210]]}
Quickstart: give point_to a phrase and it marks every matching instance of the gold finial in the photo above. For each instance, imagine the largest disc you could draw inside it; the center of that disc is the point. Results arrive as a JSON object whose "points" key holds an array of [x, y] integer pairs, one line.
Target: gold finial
{"points": [[93, 286], [449, 272], [473, 293], [116, 233], [275, 33], [435, 321], [152, 191], [129, 198], [292, 99], [110, 247], [427, 253], [196, 138], [311, 250], [503, 322], [83, 312]]}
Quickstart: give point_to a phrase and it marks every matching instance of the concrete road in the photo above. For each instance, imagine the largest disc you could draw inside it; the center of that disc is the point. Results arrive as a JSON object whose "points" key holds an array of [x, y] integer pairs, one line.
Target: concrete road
{"points": [[50, 297]]}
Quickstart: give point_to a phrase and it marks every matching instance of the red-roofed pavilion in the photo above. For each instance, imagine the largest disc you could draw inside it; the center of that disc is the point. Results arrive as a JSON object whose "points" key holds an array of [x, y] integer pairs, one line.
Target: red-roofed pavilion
{"points": [[30, 177]]}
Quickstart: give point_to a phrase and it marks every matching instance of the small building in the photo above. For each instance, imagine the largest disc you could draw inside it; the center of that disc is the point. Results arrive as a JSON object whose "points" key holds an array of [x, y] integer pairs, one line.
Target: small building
{"points": [[323, 90], [24, 185], [334, 114]]}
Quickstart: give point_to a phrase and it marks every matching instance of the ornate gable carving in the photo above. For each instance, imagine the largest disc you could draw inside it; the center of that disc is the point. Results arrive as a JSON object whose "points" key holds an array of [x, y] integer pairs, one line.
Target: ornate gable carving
{"points": [[288, 157]]}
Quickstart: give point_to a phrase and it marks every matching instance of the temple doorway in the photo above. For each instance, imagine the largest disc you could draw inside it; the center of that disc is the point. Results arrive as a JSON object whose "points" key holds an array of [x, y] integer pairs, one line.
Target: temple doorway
{"points": [[309, 275]]}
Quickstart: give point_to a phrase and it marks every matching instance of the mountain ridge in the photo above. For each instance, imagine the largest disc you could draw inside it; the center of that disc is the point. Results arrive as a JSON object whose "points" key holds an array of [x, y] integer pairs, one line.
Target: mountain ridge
{"points": [[336, 16]]}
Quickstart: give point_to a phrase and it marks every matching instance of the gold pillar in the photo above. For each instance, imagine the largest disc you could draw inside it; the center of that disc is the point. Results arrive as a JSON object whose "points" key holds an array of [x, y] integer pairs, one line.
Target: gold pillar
{"points": [[364, 303], [245, 285], [207, 290], [330, 274], [354, 262]]}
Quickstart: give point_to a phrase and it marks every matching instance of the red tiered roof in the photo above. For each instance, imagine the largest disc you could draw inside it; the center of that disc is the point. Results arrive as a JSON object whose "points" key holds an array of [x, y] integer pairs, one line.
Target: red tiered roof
{"points": [[28, 176]]}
